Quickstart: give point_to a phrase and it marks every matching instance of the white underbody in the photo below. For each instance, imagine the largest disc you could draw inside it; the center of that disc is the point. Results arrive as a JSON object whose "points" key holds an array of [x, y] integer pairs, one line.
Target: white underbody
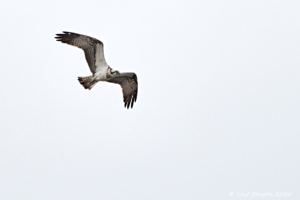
{"points": [[101, 73], [101, 65]]}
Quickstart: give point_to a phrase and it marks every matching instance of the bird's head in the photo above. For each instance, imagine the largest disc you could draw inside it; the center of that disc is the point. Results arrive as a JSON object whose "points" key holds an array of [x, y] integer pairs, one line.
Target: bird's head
{"points": [[117, 72], [114, 73]]}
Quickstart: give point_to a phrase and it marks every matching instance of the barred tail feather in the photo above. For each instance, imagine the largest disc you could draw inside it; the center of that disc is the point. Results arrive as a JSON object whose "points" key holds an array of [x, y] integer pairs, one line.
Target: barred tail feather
{"points": [[87, 82]]}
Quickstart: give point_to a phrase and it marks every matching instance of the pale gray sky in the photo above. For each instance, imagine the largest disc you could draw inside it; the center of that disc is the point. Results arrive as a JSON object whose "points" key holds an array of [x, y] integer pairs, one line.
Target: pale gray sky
{"points": [[217, 112]]}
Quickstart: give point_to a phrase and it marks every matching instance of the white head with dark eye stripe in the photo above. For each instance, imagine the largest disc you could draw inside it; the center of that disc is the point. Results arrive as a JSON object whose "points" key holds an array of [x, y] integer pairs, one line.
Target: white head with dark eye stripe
{"points": [[115, 72], [112, 73]]}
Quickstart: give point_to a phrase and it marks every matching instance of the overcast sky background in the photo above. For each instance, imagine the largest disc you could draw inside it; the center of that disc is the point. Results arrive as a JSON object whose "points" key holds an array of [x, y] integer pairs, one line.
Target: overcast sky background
{"points": [[217, 111]]}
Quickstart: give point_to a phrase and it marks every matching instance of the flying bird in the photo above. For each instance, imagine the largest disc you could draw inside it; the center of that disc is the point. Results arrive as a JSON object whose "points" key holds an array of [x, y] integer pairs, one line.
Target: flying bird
{"points": [[101, 71]]}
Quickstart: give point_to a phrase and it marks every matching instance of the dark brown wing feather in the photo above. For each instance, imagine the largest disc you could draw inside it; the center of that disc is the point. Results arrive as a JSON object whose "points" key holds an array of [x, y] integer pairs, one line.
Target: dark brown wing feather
{"points": [[86, 43], [129, 84]]}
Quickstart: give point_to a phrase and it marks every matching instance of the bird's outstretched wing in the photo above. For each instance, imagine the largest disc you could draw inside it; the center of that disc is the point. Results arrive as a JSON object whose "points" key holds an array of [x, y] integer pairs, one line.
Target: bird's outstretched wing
{"points": [[93, 48], [129, 84]]}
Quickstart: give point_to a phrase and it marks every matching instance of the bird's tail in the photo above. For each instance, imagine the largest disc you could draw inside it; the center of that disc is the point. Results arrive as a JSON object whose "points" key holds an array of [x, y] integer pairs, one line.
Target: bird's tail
{"points": [[87, 82]]}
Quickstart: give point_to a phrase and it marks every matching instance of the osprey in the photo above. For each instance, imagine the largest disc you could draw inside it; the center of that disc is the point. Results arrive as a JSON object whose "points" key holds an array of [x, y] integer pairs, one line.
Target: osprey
{"points": [[93, 50]]}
